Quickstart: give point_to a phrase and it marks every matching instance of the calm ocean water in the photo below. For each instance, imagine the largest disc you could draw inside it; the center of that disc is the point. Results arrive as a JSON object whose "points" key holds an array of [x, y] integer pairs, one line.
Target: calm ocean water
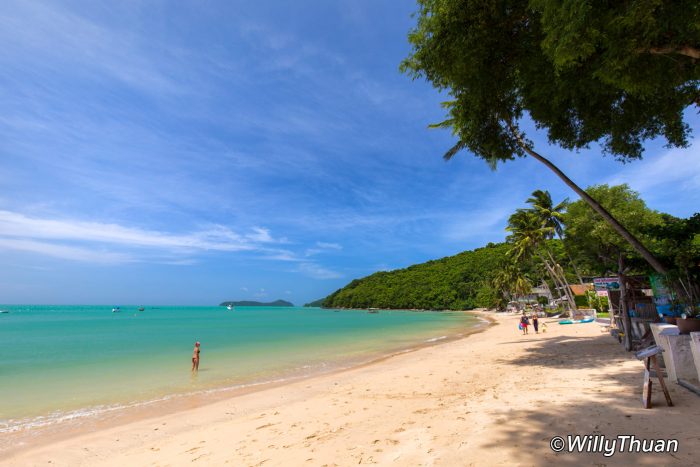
{"points": [[62, 362]]}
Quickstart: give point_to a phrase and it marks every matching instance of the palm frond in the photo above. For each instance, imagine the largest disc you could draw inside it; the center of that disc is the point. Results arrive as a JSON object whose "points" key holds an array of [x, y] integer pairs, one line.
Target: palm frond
{"points": [[454, 150]]}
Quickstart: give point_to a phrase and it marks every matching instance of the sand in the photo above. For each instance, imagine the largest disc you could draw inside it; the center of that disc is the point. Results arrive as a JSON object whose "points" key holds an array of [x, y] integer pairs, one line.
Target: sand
{"points": [[493, 398]]}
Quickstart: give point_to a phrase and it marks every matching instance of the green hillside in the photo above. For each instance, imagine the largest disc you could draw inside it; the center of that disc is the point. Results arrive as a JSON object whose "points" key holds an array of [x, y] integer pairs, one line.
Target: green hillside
{"points": [[315, 303], [453, 283]]}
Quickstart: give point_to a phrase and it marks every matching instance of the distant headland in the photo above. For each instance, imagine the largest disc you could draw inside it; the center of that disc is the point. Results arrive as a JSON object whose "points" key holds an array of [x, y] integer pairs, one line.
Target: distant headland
{"points": [[253, 303]]}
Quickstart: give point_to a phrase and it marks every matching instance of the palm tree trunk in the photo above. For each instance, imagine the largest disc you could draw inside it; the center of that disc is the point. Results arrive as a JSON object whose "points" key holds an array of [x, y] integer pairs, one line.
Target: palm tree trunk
{"points": [[571, 261], [597, 207], [562, 279], [570, 293], [557, 282]]}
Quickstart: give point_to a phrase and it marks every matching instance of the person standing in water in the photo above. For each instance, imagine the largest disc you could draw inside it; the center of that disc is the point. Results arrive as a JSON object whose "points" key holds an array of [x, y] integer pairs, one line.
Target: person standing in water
{"points": [[195, 357]]}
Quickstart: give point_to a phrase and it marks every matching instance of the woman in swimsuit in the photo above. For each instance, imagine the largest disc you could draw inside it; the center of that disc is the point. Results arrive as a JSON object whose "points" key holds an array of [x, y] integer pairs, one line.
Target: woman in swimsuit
{"points": [[195, 357]]}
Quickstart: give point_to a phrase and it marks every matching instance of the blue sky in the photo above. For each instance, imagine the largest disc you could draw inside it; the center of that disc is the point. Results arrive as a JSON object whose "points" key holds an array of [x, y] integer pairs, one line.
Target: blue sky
{"points": [[196, 151]]}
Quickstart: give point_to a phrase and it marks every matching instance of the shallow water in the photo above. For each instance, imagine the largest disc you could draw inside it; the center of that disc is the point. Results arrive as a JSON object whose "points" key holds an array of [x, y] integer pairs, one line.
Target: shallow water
{"points": [[62, 362]]}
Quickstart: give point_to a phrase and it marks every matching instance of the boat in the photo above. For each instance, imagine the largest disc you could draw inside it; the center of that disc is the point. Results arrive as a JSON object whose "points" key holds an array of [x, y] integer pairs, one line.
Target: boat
{"points": [[373, 310], [141, 308], [586, 319], [4, 311], [229, 307], [116, 309]]}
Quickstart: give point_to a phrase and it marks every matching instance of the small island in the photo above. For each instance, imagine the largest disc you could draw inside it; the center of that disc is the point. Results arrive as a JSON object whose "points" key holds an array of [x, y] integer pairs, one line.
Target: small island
{"points": [[254, 303], [316, 303]]}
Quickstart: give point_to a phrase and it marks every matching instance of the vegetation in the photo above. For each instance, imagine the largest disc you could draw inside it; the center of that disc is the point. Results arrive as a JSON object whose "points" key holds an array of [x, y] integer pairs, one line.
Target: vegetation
{"points": [[499, 273], [254, 303], [315, 303], [457, 282], [612, 73]]}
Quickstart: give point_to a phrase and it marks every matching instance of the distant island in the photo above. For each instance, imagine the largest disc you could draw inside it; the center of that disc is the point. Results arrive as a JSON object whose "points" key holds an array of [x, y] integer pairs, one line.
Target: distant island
{"points": [[315, 303], [253, 303]]}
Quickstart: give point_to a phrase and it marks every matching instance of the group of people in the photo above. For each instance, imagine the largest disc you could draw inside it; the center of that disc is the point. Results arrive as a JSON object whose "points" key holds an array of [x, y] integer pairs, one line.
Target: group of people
{"points": [[525, 323]]}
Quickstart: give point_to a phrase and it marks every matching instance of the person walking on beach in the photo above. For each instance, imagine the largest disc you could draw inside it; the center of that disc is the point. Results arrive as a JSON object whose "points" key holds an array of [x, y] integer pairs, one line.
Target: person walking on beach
{"points": [[195, 357], [535, 323], [524, 322]]}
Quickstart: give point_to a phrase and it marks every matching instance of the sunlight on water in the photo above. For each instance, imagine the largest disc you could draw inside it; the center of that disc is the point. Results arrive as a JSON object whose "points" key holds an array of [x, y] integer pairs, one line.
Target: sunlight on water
{"points": [[59, 361]]}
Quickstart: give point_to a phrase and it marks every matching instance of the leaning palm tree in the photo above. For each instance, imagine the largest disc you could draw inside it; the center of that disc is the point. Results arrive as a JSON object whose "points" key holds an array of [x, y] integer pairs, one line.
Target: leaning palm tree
{"points": [[527, 236], [551, 216]]}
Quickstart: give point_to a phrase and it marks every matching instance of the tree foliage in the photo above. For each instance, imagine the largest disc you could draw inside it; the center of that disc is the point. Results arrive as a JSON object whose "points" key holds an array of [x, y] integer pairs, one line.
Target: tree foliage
{"points": [[595, 243], [608, 72], [457, 282], [494, 275]]}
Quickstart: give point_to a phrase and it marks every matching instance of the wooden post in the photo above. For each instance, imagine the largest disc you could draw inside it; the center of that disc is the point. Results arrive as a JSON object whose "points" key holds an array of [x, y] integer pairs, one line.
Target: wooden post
{"points": [[649, 356]]}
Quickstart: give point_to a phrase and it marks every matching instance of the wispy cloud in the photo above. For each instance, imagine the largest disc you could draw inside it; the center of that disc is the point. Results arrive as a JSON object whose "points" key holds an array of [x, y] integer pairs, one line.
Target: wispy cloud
{"points": [[317, 271], [53, 34], [323, 247], [680, 167], [49, 236], [72, 253]]}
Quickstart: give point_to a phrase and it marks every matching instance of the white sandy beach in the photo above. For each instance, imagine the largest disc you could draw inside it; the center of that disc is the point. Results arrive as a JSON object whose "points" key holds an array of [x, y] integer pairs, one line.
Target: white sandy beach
{"points": [[493, 398]]}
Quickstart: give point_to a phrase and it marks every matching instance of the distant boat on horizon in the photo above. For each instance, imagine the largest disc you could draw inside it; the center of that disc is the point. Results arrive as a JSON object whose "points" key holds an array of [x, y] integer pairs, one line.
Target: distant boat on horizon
{"points": [[141, 308], [229, 307], [116, 309]]}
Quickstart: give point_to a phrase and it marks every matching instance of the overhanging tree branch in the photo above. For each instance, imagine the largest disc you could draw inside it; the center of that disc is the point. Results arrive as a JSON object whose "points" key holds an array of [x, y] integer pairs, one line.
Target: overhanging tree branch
{"points": [[597, 207]]}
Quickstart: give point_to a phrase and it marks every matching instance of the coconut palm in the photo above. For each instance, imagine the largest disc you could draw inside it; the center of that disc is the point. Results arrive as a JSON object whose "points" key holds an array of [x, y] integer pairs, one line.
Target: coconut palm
{"points": [[528, 234], [552, 216], [510, 281]]}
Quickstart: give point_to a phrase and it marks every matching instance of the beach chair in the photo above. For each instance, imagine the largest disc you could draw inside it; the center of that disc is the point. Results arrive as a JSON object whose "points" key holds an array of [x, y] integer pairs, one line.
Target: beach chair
{"points": [[649, 356]]}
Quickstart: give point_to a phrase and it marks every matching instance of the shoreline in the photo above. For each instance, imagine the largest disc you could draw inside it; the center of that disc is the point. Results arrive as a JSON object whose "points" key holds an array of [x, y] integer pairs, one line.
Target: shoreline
{"points": [[80, 422], [492, 397]]}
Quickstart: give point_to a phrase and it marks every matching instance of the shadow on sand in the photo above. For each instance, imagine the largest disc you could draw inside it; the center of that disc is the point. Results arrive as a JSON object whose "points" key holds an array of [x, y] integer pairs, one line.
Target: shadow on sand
{"points": [[616, 395]]}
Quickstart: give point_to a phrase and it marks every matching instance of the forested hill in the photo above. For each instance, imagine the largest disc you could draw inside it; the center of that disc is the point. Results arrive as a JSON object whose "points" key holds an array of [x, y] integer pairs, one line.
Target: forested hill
{"points": [[453, 283], [315, 303]]}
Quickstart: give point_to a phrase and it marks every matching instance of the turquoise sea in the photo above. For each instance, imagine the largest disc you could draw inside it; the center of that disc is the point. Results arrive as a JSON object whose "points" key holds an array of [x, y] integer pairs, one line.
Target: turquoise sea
{"points": [[64, 362]]}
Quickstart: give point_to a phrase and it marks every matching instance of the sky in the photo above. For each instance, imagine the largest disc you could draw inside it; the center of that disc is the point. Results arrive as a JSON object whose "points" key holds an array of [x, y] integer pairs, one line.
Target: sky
{"points": [[187, 153]]}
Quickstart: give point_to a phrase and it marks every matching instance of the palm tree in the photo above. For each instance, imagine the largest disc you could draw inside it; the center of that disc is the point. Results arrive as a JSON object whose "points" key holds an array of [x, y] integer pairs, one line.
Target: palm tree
{"points": [[510, 281], [526, 146], [527, 236], [551, 216]]}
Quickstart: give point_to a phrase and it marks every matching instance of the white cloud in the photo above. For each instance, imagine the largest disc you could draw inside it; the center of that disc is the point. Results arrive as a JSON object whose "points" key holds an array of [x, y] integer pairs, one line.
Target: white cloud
{"points": [[49, 236], [329, 246], [64, 251], [322, 247], [318, 272], [678, 166], [49, 32]]}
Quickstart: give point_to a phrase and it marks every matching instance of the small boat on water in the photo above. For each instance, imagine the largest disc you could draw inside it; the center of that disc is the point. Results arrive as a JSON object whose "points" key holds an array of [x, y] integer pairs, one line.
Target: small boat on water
{"points": [[373, 310], [141, 308], [229, 307], [4, 311], [116, 309], [586, 319]]}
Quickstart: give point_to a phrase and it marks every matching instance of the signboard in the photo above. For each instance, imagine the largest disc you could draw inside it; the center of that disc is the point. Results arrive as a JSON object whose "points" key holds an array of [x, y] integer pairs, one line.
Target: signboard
{"points": [[603, 284], [662, 296]]}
